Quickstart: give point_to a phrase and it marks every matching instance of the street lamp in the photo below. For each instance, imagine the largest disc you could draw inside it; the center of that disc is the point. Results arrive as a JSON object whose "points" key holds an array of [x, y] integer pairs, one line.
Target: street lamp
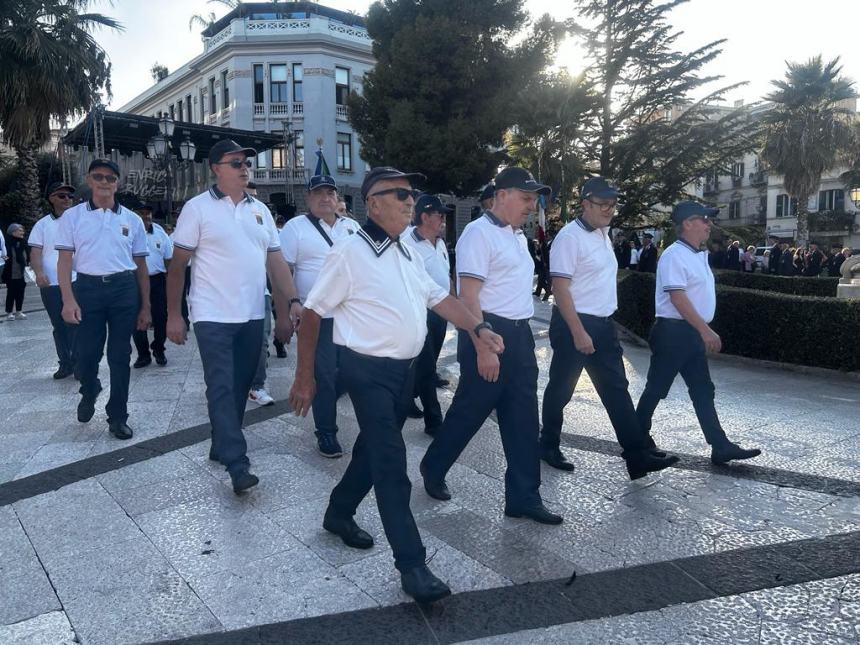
{"points": [[158, 148]]}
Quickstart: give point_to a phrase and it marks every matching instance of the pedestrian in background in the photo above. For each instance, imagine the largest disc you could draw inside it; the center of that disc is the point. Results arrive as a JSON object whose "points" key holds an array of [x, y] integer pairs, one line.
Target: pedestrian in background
{"points": [[748, 260], [14, 271]]}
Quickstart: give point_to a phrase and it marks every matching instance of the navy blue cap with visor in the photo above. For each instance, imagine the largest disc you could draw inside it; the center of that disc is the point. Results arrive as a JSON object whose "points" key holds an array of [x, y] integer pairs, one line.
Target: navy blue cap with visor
{"points": [[226, 147], [58, 185], [381, 173], [600, 188], [488, 192], [520, 179], [103, 163], [688, 208], [431, 204], [320, 181]]}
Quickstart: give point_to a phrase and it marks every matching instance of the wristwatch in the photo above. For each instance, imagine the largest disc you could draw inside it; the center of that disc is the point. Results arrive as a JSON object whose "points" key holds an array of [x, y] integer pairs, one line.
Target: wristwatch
{"points": [[294, 300], [482, 325]]}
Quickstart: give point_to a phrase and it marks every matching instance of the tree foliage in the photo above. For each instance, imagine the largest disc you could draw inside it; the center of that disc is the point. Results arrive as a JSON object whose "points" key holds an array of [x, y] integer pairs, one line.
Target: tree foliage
{"points": [[158, 72], [439, 99], [808, 131]]}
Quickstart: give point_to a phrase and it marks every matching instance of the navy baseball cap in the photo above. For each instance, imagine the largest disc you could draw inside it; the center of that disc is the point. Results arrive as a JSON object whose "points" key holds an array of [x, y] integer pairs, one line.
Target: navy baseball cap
{"points": [[226, 147], [687, 209], [521, 179], [600, 188], [431, 204], [103, 163], [386, 172], [320, 181], [488, 192], [58, 185]]}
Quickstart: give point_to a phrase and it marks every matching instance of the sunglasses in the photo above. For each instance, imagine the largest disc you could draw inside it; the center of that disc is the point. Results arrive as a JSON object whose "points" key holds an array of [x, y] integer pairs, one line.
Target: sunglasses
{"points": [[605, 207], [235, 163], [402, 194], [97, 176], [62, 195]]}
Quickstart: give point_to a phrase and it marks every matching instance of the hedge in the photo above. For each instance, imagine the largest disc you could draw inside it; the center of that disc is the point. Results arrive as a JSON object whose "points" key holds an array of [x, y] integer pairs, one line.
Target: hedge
{"points": [[805, 330], [795, 285]]}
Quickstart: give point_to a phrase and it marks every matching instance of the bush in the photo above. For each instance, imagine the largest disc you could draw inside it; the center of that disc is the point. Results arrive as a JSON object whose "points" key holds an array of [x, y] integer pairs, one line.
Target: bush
{"points": [[805, 330], [795, 285]]}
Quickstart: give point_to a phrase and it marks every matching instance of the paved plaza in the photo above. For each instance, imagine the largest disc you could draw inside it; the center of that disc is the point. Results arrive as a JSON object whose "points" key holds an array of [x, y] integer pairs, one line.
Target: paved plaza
{"points": [[106, 542]]}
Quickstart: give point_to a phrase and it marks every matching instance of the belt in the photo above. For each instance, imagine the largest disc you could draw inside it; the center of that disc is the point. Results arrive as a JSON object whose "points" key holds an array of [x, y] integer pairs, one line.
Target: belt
{"points": [[522, 322], [110, 277], [379, 359]]}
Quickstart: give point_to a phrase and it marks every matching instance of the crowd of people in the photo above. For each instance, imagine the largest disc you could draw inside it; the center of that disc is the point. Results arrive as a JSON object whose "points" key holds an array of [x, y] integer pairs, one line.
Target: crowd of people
{"points": [[780, 258], [370, 306]]}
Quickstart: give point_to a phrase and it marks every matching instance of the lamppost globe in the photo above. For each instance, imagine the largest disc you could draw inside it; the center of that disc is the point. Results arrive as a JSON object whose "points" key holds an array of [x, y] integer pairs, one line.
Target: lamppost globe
{"points": [[188, 150], [166, 125], [150, 149], [162, 148]]}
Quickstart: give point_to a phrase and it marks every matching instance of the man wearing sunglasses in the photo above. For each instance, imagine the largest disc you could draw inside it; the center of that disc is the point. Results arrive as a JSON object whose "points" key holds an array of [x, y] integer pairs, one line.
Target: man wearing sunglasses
{"points": [[110, 297], [305, 243], [234, 242], [685, 302], [582, 333], [43, 259], [495, 272], [379, 290]]}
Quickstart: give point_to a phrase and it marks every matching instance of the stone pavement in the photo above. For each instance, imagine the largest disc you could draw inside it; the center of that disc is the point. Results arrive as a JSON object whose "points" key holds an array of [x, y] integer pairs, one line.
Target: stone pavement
{"points": [[104, 541]]}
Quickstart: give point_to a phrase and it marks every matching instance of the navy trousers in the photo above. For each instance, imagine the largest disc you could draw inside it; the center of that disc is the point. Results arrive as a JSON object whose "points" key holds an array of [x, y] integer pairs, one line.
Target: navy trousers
{"points": [[109, 308], [64, 333], [381, 391], [229, 353], [605, 367], [514, 397], [676, 347], [326, 375], [425, 369], [158, 305]]}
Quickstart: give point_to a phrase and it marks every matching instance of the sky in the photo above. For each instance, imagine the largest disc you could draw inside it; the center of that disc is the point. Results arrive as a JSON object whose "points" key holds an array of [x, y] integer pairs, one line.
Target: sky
{"points": [[761, 36]]}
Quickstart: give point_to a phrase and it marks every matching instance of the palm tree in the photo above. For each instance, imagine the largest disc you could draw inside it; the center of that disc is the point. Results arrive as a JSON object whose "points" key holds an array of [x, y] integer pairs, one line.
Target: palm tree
{"points": [[53, 69], [204, 22], [808, 131]]}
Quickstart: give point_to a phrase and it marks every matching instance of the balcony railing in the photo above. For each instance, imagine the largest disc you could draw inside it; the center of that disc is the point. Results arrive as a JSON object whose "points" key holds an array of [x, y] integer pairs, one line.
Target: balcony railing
{"points": [[279, 175], [279, 108], [211, 118], [758, 178], [259, 109], [711, 187], [341, 113], [298, 109]]}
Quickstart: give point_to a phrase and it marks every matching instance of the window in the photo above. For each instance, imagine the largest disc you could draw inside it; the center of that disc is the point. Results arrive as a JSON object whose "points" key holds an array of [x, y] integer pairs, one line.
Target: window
{"points": [[299, 142], [735, 209], [262, 159], [344, 151], [341, 79], [202, 107], [225, 91], [298, 76], [738, 169], [258, 84], [212, 107], [180, 111], [188, 115], [278, 83], [831, 200], [786, 207], [278, 158]]}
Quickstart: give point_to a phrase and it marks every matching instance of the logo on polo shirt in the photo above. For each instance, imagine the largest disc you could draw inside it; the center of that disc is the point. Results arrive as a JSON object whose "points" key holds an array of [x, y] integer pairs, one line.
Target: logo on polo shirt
{"points": [[259, 217], [158, 245], [125, 230]]}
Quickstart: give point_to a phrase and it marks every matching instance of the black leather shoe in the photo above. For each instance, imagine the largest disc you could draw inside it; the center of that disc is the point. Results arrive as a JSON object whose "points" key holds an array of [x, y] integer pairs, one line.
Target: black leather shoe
{"points": [[415, 412], [432, 430], [538, 513], [280, 351], [556, 459], [651, 447], [142, 361], [435, 489], [120, 430], [160, 358], [243, 480], [86, 408], [212, 455], [348, 531], [422, 585], [62, 373], [644, 462], [726, 452]]}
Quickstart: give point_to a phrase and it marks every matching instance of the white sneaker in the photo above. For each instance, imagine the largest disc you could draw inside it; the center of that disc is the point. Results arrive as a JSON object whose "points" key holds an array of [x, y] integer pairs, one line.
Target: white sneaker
{"points": [[10, 317], [20, 315], [260, 397]]}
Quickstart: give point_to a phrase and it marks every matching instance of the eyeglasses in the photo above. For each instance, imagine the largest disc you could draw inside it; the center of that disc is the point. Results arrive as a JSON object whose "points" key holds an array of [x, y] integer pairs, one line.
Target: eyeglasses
{"points": [[97, 176], [235, 163], [402, 194], [62, 195], [605, 207]]}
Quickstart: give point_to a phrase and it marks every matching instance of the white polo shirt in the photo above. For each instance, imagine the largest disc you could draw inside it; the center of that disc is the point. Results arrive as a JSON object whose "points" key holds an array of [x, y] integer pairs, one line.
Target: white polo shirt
{"points": [[104, 240], [584, 255], [435, 256], [685, 268], [2, 251], [230, 244], [498, 255], [44, 237], [378, 291], [305, 249], [160, 249]]}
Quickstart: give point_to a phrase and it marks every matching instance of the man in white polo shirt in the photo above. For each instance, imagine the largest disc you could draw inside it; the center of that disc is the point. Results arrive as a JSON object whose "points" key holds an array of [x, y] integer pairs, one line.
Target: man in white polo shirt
{"points": [[160, 251], [378, 290], [43, 259], [582, 333], [495, 273], [234, 242], [305, 243], [111, 293], [685, 302], [423, 236]]}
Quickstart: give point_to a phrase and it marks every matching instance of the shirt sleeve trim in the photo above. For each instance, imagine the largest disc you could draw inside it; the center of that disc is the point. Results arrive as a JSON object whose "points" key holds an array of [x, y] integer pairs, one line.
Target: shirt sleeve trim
{"points": [[674, 288], [141, 254], [183, 246], [556, 274], [273, 249], [35, 246], [463, 274], [61, 247]]}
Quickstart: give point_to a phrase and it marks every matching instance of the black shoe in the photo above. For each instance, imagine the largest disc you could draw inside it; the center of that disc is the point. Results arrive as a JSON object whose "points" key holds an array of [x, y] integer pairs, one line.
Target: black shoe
{"points": [[160, 358], [243, 480], [651, 447], [435, 489], [62, 373], [87, 408], [729, 451], [422, 585], [432, 430], [441, 382], [348, 531], [328, 445], [280, 351], [538, 513], [644, 462], [142, 361], [415, 412], [120, 430], [556, 459], [212, 455]]}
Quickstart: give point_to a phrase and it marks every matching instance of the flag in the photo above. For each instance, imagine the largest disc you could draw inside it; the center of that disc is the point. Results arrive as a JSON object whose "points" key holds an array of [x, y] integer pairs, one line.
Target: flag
{"points": [[322, 166], [541, 231]]}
